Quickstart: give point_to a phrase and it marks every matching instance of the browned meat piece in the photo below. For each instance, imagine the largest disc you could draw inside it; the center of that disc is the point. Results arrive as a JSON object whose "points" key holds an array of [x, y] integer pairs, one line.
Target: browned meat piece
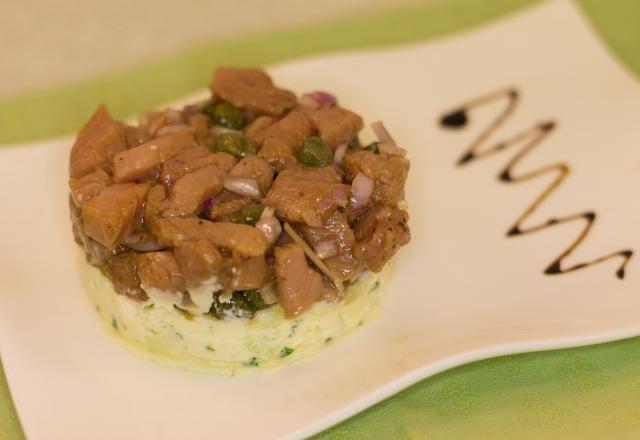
{"points": [[284, 138], [389, 174], [114, 213], [96, 253], [224, 161], [226, 204], [155, 203], [160, 270], [251, 89], [136, 136], [199, 261], [300, 197], [257, 130], [380, 234], [247, 273], [241, 239], [252, 167], [97, 143], [335, 124], [122, 270], [336, 240], [299, 286], [189, 193], [180, 164], [200, 124], [133, 164], [88, 186]]}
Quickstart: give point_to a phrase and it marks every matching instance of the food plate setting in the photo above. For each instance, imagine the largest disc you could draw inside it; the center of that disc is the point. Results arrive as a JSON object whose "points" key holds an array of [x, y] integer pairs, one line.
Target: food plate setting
{"points": [[522, 138]]}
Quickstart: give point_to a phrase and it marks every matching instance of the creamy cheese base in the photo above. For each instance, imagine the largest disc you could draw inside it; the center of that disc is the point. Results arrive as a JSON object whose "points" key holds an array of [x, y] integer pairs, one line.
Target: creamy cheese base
{"points": [[203, 343]]}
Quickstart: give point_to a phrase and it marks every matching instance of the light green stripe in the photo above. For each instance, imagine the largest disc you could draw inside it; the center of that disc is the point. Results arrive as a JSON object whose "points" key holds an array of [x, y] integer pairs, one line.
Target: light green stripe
{"points": [[62, 110], [584, 393], [10, 428]]}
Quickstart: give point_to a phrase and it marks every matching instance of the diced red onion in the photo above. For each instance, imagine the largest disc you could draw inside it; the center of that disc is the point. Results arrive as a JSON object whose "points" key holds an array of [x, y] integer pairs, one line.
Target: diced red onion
{"points": [[391, 150], [317, 99], [324, 98], [339, 153], [243, 187], [270, 227], [381, 133], [326, 249], [361, 189], [340, 196], [208, 204]]}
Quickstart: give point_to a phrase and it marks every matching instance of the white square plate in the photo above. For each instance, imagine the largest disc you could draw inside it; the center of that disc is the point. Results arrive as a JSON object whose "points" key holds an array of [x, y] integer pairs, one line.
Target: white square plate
{"points": [[462, 289]]}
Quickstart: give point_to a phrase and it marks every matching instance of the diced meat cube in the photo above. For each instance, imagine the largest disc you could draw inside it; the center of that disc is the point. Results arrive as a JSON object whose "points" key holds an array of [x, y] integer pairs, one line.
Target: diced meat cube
{"points": [[242, 239], [299, 286], [380, 234], [252, 167], [336, 125], [199, 261], [200, 124], [226, 205], [136, 163], [96, 253], [88, 186], [283, 140], [224, 161], [97, 143], [247, 273], [300, 197], [389, 174], [155, 203], [122, 270], [190, 191], [114, 213], [180, 164], [160, 270], [337, 236], [257, 129], [251, 89]]}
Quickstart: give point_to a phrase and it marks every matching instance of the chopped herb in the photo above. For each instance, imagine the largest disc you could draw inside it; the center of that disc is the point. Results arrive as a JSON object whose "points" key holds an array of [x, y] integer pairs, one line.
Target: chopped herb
{"points": [[286, 351], [375, 286], [242, 304], [178, 334], [114, 323], [294, 327], [210, 348], [253, 362]]}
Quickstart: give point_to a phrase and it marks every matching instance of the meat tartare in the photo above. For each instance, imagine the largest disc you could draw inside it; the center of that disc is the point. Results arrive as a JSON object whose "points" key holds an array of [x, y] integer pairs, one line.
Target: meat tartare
{"points": [[237, 231]]}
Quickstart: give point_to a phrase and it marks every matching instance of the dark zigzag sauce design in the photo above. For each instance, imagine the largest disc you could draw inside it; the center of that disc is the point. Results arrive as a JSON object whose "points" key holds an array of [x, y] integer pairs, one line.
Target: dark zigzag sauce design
{"points": [[530, 139]]}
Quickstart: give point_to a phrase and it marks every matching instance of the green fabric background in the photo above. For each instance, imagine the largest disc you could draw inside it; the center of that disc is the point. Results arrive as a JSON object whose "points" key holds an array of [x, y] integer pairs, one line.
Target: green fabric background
{"points": [[587, 393]]}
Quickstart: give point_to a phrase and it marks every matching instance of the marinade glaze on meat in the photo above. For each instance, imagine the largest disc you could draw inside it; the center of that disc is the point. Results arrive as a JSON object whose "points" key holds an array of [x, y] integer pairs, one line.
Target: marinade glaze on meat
{"points": [[255, 194]]}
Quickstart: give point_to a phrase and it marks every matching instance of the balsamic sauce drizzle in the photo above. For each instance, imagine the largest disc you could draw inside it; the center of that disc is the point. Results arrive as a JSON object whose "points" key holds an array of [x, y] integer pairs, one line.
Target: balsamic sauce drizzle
{"points": [[529, 139]]}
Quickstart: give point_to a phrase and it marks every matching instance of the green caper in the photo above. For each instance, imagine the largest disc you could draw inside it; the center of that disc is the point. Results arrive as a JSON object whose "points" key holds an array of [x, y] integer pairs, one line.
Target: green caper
{"points": [[225, 114], [249, 215], [235, 144], [315, 152], [242, 304]]}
